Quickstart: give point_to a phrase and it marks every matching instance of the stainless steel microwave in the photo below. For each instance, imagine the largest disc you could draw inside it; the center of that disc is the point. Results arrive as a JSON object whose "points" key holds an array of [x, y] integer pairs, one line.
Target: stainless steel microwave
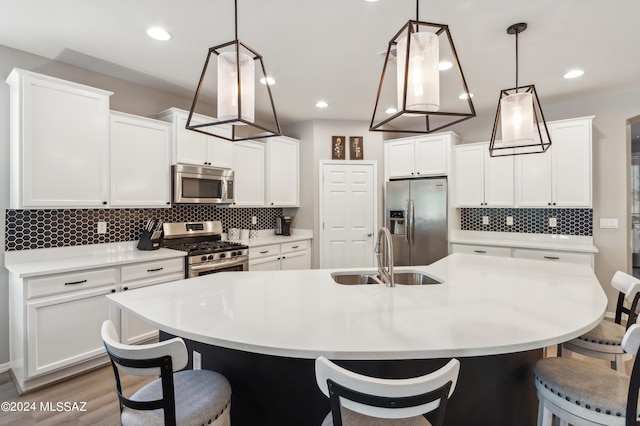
{"points": [[201, 185]]}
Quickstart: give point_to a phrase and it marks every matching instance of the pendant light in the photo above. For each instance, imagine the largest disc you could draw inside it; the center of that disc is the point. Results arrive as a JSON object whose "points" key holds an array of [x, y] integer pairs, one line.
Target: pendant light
{"points": [[522, 124], [234, 78], [416, 93]]}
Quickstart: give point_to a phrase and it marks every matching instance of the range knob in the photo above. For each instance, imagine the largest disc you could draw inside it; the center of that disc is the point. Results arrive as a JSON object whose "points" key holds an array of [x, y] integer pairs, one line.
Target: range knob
{"points": [[222, 255], [210, 257], [233, 253], [203, 258]]}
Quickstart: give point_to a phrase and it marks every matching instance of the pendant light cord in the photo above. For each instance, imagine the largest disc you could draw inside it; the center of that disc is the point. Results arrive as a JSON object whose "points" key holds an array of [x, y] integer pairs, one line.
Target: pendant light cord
{"points": [[517, 31], [235, 2], [417, 10]]}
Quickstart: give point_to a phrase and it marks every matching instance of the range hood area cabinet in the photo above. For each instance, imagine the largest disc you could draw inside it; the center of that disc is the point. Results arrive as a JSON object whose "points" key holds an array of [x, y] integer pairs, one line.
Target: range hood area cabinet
{"points": [[59, 142], [560, 177], [416, 157], [195, 148], [267, 173], [69, 151]]}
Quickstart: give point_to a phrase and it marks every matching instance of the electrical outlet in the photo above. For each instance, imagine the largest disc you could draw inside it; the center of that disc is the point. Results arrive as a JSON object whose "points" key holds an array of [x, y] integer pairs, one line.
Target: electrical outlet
{"points": [[553, 222], [197, 360], [485, 220], [509, 220], [102, 227], [254, 220]]}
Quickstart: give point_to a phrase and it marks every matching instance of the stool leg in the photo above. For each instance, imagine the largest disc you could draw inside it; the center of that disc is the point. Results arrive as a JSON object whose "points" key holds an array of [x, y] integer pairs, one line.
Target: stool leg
{"points": [[544, 415], [618, 364], [559, 351]]}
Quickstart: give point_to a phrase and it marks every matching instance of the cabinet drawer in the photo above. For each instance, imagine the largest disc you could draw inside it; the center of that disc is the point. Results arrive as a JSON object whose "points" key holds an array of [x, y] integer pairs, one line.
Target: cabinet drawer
{"points": [[554, 256], [482, 250], [144, 270], [65, 283], [264, 251], [294, 246]]}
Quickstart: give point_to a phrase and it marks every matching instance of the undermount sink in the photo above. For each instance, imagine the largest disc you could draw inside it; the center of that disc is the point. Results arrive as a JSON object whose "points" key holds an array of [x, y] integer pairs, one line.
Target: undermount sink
{"points": [[401, 278]]}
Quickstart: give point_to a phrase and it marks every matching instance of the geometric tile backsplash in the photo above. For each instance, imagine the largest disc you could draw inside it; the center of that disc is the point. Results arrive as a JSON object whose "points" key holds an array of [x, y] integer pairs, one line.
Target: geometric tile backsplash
{"points": [[532, 221], [31, 229]]}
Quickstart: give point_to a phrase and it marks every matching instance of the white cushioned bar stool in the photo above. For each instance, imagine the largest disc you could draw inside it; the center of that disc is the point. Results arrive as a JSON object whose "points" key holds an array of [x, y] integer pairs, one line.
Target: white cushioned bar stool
{"points": [[358, 400], [605, 340], [580, 392], [187, 397]]}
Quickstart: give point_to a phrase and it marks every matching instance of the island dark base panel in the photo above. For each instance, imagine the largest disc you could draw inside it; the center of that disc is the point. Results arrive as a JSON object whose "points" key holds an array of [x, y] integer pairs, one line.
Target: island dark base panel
{"points": [[496, 390]]}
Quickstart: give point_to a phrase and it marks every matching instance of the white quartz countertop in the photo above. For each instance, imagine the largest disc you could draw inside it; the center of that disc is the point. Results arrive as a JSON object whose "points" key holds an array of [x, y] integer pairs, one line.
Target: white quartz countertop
{"points": [[32, 263], [531, 241], [268, 237], [485, 305]]}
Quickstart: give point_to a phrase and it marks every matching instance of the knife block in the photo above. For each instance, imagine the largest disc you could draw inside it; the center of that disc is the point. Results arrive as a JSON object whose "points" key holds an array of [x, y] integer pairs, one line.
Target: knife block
{"points": [[147, 243]]}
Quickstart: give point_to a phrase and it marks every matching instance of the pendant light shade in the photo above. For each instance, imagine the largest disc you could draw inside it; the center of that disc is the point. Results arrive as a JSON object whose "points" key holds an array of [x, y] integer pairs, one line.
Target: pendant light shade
{"points": [[416, 94], [519, 118], [229, 95], [230, 84], [423, 78]]}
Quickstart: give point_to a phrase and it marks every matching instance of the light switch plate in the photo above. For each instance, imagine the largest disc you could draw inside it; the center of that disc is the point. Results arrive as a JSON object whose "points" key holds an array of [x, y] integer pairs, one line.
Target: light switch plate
{"points": [[553, 222], [608, 223], [485, 220], [509, 220], [254, 220]]}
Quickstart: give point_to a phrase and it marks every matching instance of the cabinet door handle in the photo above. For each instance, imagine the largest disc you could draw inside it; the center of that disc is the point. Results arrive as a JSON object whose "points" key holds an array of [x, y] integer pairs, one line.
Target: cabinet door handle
{"points": [[552, 257], [126, 288], [113, 290], [480, 251], [155, 270], [264, 252], [76, 282], [294, 247]]}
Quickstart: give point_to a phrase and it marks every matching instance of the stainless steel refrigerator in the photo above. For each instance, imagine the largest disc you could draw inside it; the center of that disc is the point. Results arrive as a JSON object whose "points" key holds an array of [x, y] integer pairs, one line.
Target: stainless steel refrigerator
{"points": [[416, 215]]}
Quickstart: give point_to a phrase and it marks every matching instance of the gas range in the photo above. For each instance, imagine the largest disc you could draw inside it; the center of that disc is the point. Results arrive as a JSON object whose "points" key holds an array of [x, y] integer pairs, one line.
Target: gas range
{"points": [[207, 253]]}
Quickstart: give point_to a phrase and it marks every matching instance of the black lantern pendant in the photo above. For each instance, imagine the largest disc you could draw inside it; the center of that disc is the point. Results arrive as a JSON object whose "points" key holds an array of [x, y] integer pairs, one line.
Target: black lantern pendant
{"points": [[235, 79], [420, 65], [523, 128]]}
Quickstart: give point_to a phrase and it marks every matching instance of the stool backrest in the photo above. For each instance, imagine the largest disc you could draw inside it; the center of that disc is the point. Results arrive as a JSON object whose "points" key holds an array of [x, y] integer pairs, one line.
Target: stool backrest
{"points": [[629, 288], [386, 398], [631, 344]]}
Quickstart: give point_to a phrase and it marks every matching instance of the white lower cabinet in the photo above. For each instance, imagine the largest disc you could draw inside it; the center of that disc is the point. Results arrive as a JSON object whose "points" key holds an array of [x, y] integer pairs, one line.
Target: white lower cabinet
{"points": [[554, 256], [482, 250], [132, 330], [285, 256], [55, 319]]}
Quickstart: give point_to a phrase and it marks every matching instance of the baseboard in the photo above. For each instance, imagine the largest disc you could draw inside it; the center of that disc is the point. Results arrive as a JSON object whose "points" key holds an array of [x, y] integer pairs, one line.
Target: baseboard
{"points": [[5, 367], [610, 315]]}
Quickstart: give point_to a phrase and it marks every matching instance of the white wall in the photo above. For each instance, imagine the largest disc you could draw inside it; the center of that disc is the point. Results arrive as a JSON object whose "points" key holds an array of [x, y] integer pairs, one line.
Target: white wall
{"points": [[315, 145]]}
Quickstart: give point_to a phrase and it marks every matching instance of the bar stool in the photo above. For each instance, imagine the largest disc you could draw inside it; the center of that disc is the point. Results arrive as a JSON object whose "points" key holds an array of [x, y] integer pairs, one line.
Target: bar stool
{"points": [[358, 400], [582, 393], [186, 397], [605, 340]]}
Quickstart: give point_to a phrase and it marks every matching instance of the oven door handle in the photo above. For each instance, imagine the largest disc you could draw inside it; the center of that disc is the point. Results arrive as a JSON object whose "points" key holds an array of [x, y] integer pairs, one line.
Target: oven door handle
{"points": [[224, 264]]}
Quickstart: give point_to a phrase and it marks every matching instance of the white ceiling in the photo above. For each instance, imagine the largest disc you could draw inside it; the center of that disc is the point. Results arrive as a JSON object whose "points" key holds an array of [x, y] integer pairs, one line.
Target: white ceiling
{"points": [[329, 49]]}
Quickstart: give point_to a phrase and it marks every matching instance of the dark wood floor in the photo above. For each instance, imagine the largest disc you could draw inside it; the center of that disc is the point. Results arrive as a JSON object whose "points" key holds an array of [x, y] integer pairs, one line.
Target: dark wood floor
{"points": [[96, 388]]}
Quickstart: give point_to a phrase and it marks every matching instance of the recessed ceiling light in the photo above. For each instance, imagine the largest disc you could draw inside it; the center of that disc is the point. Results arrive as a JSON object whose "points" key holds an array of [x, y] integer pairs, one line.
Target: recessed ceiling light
{"points": [[158, 34], [322, 104], [268, 80], [371, 1], [444, 65], [573, 74], [465, 96], [391, 111]]}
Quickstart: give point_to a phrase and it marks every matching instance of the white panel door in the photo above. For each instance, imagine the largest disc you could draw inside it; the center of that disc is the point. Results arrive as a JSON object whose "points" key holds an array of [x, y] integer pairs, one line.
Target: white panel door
{"points": [[498, 180], [191, 147], [248, 166], [400, 158], [431, 156], [533, 180], [348, 215]]}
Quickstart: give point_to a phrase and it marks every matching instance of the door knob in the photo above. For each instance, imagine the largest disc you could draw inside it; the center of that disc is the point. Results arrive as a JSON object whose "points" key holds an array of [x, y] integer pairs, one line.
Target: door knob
{"points": [[369, 234]]}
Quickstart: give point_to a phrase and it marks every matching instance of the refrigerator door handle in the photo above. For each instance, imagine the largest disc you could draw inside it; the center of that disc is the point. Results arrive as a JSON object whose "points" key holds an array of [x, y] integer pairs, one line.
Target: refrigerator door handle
{"points": [[406, 222], [410, 223]]}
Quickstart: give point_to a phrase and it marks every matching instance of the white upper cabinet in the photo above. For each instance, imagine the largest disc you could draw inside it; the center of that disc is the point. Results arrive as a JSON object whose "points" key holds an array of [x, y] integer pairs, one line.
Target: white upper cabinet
{"points": [[59, 142], [191, 147], [561, 177], [249, 173], [482, 180], [140, 163], [419, 156], [283, 172]]}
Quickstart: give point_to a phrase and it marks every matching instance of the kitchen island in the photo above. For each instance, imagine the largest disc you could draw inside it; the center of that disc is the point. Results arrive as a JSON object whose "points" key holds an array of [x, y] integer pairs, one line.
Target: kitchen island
{"points": [[264, 329]]}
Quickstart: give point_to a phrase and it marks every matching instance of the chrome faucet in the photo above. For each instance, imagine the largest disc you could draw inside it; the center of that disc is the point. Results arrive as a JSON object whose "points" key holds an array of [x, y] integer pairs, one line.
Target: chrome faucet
{"points": [[385, 253]]}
